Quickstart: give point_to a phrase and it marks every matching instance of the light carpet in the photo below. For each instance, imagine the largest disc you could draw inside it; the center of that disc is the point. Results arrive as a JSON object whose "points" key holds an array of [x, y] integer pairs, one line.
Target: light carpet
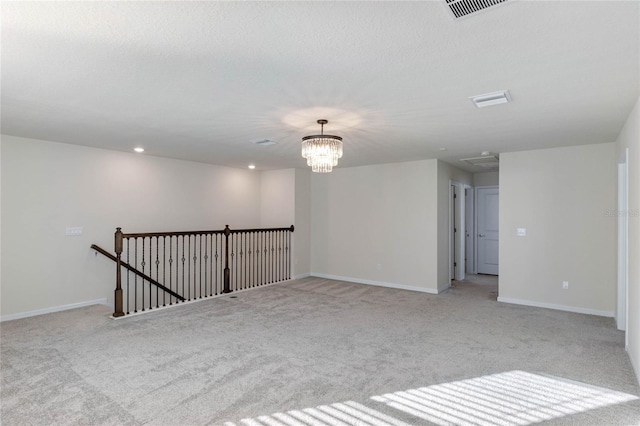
{"points": [[305, 343]]}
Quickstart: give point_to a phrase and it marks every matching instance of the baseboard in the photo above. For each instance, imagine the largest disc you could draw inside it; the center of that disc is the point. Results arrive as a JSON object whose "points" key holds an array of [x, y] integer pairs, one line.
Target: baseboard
{"points": [[53, 309], [556, 307], [443, 289], [636, 370], [376, 283], [298, 277]]}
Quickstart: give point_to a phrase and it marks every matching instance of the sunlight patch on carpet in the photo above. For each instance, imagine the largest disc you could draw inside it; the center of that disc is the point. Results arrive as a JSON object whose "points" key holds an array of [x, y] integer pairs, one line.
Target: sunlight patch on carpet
{"points": [[338, 414], [512, 398]]}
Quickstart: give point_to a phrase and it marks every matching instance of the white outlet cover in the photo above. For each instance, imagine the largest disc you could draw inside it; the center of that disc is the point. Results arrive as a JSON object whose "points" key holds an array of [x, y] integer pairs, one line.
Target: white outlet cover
{"points": [[73, 231], [522, 232]]}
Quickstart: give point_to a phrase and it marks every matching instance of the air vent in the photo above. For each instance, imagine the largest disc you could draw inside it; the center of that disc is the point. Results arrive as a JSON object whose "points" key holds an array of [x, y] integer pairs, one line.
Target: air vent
{"points": [[489, 99], [486, 162], [263, 142], [461, 8]]}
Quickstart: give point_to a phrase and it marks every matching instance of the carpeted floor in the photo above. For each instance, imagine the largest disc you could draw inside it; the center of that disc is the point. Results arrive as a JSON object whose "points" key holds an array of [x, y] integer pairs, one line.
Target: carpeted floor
{"points": [[323, 346]]}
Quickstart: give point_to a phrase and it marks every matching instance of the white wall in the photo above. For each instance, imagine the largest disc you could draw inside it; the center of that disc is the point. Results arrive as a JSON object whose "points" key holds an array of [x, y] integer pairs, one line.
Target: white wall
{"points": [[630, 138], [302, 233], [446, 174], [49, 186], [486, 179], [560, 196], [277, 198], [377, 224], [285, 200]]}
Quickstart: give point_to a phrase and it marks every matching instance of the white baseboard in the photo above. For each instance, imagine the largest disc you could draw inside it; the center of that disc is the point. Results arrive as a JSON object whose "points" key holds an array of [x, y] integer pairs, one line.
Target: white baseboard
{"points": [[608, 314], [443, 289], [53, 309], [636, 370], [298, 277], [376, 283]]}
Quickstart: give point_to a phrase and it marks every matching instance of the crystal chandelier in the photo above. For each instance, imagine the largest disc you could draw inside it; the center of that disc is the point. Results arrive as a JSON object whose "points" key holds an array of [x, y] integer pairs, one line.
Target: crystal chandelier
{"points": [[322, 151]]}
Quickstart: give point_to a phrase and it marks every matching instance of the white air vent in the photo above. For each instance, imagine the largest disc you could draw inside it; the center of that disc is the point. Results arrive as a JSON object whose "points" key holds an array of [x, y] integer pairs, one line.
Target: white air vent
{"points": [[487, 162], [461, 8], [489, 99], [263, 142]]}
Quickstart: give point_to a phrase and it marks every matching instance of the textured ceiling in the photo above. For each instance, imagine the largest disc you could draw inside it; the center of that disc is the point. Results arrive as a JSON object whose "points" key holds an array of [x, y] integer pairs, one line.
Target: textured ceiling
{"points": [[200, 80]]}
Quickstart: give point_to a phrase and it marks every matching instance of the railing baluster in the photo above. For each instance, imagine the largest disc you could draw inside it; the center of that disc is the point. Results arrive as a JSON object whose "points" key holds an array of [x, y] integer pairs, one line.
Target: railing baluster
{"points": [[171, 268], [288, 248], [258, 252], [150, 272], [271, 259], [206, 265], [164, 268], [238, 248], [216, 259], [157, 272], [182, 259], [128, 275], [200, 268], [143, 263], [135, 284]]}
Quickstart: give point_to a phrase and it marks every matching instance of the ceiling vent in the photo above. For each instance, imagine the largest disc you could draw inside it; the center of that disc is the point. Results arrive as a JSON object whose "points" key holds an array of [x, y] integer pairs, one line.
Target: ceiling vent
{"points": [[461, 8], [486, 162], [489, 99], [263, 142]]}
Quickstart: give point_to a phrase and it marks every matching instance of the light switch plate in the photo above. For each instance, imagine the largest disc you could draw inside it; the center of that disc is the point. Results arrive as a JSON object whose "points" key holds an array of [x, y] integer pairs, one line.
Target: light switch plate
{"points": [[522, 232], [74, 231]]}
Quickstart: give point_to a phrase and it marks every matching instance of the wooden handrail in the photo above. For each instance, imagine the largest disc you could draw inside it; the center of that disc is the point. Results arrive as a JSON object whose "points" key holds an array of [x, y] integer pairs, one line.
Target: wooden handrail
{"points": [[138, 273], [219, 232]]}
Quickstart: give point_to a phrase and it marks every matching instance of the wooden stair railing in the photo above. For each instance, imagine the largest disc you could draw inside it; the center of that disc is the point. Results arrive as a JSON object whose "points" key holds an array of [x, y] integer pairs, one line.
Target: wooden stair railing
{"points": [[189, 265], [138, 273]]}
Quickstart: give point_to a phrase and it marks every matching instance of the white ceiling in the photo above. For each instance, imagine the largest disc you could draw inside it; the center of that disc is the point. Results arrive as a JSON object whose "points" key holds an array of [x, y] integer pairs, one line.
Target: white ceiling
{"points": [[200, 80]]}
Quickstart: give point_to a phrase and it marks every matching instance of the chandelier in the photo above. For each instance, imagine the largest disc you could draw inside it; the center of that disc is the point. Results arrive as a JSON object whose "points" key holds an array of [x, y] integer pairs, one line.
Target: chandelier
{"points": [[322, 151]]}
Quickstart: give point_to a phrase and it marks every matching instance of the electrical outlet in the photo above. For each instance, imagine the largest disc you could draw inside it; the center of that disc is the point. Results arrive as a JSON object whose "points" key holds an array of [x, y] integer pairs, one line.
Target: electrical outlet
{"points": [[379, 266], [75, 231], [565, 285]]}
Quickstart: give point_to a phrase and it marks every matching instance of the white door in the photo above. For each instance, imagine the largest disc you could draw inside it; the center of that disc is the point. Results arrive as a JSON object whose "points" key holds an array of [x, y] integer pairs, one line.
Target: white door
{"points": [[469, 257], [487, 230]]}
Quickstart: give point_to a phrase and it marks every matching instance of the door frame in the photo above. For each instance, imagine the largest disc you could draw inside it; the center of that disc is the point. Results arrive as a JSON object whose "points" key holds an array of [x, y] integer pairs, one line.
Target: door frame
{"points": [[475, 221], [456, 239], [470, 226], [622, 305]]}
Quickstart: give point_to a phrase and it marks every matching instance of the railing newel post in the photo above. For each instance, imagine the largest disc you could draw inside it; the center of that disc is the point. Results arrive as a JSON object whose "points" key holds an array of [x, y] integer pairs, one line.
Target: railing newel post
{"points": [[227, 271], [117, 299]]}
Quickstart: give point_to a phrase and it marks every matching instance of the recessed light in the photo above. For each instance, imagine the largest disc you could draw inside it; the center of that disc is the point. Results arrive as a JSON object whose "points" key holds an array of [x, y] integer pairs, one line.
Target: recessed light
{"points": [[138, 149], [252, 166], [489, 99], [443, 149]]}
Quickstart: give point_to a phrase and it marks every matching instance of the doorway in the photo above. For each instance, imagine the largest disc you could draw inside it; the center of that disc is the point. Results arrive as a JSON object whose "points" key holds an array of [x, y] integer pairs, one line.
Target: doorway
{"points": [[457, 232], [487, 202]]}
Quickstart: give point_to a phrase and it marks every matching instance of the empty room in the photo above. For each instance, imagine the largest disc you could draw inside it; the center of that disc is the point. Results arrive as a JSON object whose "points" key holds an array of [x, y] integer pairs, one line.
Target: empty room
{"points": [[298, 213]]}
